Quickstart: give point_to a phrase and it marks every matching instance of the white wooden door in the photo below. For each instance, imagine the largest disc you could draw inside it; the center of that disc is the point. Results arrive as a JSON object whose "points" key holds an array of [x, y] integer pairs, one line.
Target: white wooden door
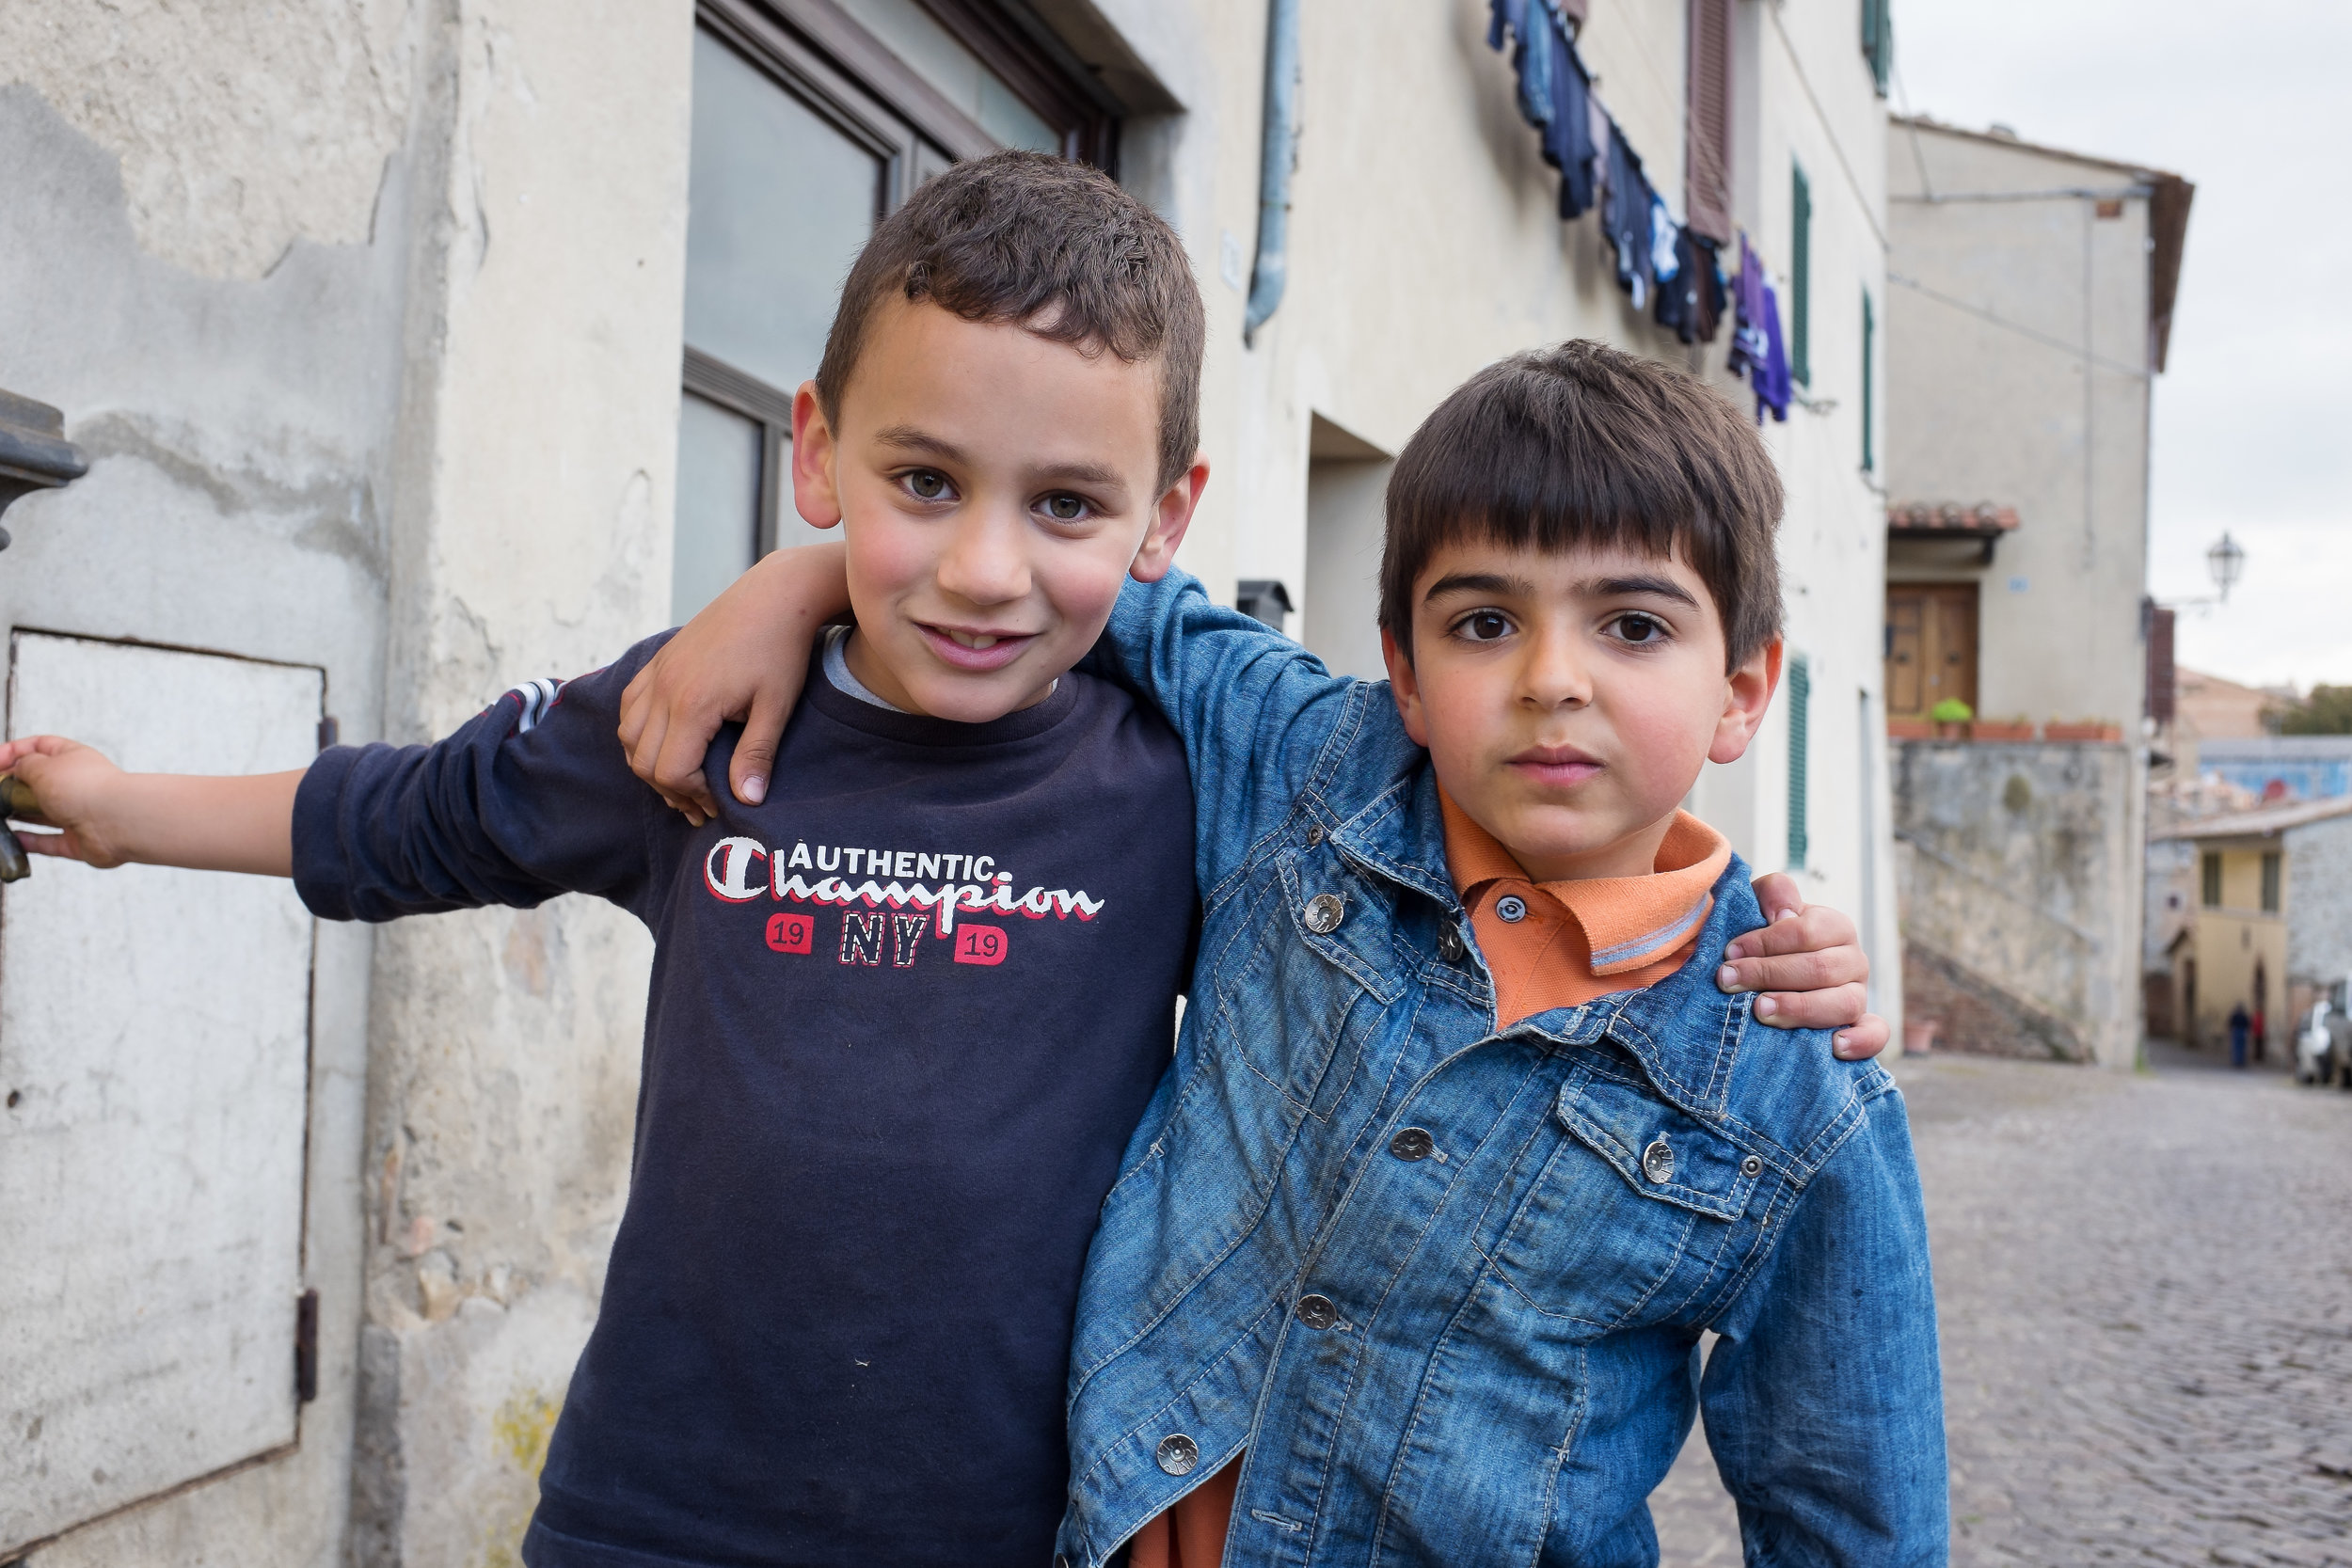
{"points": [[154, 1029]]}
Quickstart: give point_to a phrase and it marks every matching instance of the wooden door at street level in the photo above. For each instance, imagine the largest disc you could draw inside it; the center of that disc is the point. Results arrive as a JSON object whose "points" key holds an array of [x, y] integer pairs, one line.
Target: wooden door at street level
{"points": [[1931, 646]]}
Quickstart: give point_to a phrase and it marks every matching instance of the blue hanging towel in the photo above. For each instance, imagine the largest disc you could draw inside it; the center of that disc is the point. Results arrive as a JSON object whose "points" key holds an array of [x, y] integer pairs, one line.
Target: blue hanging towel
{"points": [[1625, 219], [1502, 14], [1568, 139], [1539, 35]]}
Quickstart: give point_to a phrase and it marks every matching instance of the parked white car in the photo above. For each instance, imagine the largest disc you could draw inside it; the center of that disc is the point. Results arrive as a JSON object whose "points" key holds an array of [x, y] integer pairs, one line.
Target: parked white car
{"points": [[2323, 1047]]}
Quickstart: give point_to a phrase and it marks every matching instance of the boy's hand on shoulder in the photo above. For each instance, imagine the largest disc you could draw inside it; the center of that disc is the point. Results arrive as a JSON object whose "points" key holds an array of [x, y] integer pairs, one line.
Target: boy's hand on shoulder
{"points": [[69, 782], [1809, 961], [744, 657]]}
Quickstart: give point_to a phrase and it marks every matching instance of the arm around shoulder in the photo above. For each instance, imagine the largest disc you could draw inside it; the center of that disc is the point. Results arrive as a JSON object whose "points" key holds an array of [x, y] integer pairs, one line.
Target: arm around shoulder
{"points": [[1252, 707], [1824, 1399]]}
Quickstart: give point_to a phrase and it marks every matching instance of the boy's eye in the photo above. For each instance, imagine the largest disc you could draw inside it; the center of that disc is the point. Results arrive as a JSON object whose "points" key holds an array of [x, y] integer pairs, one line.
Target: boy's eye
{"points": [[1484, 626], [1641, 629], [1064, 507], [926, 484]]}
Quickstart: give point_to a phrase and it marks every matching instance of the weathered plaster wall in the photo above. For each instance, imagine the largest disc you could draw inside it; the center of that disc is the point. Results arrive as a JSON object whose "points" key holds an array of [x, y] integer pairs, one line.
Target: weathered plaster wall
{"points": [[2319, 902], [2020, 884], [232, 376], [535, 471], [240, 128]]}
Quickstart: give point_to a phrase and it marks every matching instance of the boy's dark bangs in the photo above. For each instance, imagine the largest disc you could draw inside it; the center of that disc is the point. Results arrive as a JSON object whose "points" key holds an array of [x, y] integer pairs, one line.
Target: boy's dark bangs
{"points": [[1581, 446]]}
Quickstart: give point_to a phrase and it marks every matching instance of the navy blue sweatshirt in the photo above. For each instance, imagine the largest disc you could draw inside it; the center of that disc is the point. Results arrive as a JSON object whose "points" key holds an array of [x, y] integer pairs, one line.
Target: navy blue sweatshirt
{"points": [[905, 1015]]}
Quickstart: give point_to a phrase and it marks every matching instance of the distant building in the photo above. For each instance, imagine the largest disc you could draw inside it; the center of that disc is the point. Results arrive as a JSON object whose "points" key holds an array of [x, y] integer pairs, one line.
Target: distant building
{"points": [[2029, 302], [2272, 924], [2282, 767]]}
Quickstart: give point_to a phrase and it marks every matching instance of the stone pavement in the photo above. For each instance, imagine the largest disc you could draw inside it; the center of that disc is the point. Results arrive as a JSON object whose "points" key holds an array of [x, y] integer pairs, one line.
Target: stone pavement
{"points": [[2144, 1283]]}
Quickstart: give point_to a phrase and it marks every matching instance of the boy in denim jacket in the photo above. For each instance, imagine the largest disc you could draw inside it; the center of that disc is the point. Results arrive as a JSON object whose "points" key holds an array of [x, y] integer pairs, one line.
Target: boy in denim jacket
{"points": [[1411, 1256]]}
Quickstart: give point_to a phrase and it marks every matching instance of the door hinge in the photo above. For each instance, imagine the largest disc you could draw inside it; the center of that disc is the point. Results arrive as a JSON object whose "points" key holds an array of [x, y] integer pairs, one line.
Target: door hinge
{"points": [[306, 1347]]}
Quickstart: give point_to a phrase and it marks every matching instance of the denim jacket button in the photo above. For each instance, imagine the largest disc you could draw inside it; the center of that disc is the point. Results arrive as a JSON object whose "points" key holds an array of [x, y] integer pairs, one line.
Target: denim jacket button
{"points": [[1658, 1160], [1314, 834], [1511, 909], [1177, 1454], [1324, 912], [1412, 1143], [1317, 1313], [1449, 945], [1751, 1166]]}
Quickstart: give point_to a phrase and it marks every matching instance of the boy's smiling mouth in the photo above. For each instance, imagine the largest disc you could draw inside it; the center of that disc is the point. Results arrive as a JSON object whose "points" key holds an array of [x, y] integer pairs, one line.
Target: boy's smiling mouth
{"points": [[1559, 767], [973, 648]]}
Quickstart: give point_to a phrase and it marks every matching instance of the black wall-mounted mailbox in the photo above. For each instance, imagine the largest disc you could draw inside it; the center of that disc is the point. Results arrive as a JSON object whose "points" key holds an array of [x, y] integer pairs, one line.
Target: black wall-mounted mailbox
{"points": [[34, 453]]}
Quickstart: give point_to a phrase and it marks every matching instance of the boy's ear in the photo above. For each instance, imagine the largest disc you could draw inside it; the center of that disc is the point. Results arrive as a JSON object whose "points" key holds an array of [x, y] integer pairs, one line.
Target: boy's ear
{"points": [[1171, 516], [816, 489], [1749, 693], [1405, 685]]}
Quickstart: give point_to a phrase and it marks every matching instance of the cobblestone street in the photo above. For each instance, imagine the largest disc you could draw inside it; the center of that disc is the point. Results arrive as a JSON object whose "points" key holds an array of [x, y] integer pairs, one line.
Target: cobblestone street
{"points": [[2145, 1289]]}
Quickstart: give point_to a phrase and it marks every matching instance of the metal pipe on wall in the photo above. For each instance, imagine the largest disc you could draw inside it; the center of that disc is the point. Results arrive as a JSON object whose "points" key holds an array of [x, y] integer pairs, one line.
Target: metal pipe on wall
{"points": [[1279, 156]]}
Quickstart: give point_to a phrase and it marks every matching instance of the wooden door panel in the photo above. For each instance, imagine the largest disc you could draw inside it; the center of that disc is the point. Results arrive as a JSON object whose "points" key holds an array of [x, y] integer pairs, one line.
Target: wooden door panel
{"points": [[1906, 614]]}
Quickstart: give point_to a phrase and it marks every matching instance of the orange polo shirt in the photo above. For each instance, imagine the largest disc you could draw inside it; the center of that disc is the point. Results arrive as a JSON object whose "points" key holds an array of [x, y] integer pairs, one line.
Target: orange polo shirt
{"points": [[1547, 944]]}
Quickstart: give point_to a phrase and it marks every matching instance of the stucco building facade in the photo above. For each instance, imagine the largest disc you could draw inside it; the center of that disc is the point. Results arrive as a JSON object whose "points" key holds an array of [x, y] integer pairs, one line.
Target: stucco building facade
{"points": [[2031, 302], [410, 367]]}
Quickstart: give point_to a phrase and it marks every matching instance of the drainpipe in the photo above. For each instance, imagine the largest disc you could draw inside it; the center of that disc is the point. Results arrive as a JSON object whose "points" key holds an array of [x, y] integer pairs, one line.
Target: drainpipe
{"points": [[1279, 156]]}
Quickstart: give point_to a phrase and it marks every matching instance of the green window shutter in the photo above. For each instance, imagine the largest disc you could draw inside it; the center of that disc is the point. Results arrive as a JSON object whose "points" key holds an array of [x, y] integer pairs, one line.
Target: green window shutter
{"points": [[1800, 717], [1801, 278], [2210, 873], [1870, 336], [1878, 41]]}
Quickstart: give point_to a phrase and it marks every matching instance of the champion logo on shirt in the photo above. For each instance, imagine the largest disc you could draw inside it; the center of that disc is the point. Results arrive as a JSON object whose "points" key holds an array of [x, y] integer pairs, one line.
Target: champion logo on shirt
{"points": [[737, 870]]}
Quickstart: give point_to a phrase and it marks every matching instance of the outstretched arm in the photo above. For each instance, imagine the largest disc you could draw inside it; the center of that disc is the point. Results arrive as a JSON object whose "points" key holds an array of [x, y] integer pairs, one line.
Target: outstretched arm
{"points": [[106, 817]]}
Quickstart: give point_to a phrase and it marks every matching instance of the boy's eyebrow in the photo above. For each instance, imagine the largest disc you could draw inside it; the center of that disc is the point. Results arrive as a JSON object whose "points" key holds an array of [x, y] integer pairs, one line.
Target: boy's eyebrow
{"points": [[1481, 582], [906, 438], [1663, 588]]}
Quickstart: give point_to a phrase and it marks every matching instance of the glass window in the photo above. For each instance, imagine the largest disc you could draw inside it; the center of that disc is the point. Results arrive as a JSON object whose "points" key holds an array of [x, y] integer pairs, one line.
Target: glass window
{"points": [[2210, 873], [939, 58], [719, 461], [781, 200], [2273, 876]]}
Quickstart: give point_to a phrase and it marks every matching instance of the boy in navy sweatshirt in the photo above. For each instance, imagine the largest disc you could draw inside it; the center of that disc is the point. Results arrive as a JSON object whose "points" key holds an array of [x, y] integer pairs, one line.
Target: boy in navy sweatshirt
{"points": [[908, 1004]]}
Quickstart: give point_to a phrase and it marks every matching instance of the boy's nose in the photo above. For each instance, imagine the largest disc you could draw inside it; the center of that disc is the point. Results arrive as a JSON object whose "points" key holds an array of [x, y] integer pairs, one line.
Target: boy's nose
{"points": [[1555, 673], [983, 561]]}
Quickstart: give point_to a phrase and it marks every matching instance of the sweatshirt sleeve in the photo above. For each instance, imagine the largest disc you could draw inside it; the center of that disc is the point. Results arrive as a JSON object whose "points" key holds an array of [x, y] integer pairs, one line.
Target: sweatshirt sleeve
{"points": [[1824, 1399], [1253, 708], [531, 798]]}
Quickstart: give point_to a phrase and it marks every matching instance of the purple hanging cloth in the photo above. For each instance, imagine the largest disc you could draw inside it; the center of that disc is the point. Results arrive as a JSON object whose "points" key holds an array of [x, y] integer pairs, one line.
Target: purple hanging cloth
{"points": [[1771, 378]]}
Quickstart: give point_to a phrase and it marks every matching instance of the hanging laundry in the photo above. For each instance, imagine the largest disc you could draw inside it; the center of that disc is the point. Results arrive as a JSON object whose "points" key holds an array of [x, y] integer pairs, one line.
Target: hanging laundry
{"points": [[1567, 139], [1772, 388], [1625, 219], [1535, 61], [1665, 260], [1748, 346], [1504, 15], [1693, 304]]}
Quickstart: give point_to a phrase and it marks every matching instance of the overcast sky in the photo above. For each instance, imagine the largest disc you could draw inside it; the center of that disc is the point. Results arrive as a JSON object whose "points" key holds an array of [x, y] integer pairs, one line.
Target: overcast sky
{"points": [[2249, 100]]}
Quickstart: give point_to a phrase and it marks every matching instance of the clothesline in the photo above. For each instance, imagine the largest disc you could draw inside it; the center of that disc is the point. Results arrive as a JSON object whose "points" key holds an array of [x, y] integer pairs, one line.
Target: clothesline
{"points": [[1660, 263]]}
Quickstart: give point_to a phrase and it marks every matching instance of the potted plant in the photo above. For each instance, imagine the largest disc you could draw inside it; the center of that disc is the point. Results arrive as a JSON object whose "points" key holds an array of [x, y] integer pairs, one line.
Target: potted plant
{"points": [[2081, 729], [1951, 718], [2019, 728]]}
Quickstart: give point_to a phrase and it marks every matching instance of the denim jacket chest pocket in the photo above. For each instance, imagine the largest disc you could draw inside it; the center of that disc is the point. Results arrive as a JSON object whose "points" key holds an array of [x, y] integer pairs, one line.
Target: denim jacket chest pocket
{"points": [[1639, 1213], [1311, 964]]}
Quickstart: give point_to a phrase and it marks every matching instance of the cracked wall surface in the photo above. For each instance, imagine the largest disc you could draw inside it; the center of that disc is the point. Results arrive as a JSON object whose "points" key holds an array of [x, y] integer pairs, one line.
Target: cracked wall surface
{"points": [[241, 128], [367, 316]]}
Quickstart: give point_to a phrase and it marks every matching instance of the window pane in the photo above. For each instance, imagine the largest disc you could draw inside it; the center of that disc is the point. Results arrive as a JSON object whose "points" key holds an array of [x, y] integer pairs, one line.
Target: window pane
{"points": [[718, 503], [916, 37], [779, 203]]}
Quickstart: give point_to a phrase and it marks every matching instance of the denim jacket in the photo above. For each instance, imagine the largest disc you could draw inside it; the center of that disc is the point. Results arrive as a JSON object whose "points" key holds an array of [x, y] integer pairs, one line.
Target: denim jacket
{"points": [[1446, 1284]]}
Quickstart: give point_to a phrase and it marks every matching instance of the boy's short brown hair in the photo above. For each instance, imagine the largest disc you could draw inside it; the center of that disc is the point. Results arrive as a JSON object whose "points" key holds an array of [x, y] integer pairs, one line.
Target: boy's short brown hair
{"points": [[1053, 247], [1583, 444]]}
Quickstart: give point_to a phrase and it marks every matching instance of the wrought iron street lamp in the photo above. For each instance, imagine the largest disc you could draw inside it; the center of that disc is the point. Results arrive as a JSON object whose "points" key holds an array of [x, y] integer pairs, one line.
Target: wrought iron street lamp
{"points": [[2225, 561]]}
